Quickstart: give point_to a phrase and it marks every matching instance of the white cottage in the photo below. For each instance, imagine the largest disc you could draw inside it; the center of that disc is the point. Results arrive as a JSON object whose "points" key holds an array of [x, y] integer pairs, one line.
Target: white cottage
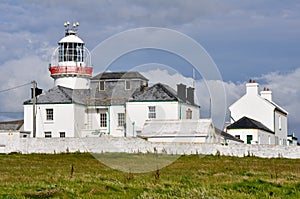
{"points": [[256, 118]]}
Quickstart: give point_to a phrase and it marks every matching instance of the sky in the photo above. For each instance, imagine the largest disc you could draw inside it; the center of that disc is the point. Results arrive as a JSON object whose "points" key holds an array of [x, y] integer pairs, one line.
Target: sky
{"points": [[257, 39]]}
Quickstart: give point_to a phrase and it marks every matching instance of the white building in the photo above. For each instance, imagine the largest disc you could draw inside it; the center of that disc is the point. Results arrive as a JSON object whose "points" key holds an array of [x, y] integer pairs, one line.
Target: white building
{"points": [[255, 118], [110, 103]]}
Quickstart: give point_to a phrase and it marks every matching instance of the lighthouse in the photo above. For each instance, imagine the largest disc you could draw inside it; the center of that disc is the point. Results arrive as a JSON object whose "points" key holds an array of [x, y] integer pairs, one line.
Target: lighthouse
{"points": [[71, 61]]}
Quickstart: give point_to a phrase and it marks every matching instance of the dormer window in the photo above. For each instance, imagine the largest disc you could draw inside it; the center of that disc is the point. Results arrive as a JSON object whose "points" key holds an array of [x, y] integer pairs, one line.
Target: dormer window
{"points": [[101, 85], [127, 84]]}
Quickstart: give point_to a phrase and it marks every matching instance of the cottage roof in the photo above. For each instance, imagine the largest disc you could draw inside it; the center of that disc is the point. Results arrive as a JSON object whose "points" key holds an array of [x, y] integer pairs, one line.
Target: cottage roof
{"points": [[157, 92], [227, 135], [248, 123], [60, 94], [119, 75], [11, 125]]}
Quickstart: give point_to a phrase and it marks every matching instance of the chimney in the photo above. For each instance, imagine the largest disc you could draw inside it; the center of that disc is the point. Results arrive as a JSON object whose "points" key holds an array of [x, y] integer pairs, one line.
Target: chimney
{"points": [[181, 92], [267, 94], [252, 88], [38, 91], [190, 95]]}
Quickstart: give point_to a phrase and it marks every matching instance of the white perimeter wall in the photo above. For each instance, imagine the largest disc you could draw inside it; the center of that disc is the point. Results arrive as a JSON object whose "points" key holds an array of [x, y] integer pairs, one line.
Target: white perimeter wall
{"points": [[134, 145]]}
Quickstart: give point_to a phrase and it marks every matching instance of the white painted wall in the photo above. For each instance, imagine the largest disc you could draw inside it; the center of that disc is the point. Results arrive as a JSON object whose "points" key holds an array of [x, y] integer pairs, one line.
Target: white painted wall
{"points": [[280, 126], [92, 121], [64, 119], [73, 82], [258, 136], [137, 114], [254, 107], [195, 111]]}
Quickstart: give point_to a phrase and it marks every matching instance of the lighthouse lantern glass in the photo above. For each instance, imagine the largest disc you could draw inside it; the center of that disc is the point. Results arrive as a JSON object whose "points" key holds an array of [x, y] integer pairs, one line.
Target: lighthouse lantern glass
{"points": [[71, 52]]}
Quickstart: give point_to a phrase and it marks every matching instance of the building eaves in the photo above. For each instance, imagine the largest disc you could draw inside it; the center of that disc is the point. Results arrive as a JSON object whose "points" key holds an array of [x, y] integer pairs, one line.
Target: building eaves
{"points": [[119, 75], [277, 107]]}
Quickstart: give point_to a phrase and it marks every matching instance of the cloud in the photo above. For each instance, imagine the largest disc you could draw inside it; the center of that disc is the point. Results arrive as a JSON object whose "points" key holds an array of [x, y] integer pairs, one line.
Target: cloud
{"points": [[19, 72]]}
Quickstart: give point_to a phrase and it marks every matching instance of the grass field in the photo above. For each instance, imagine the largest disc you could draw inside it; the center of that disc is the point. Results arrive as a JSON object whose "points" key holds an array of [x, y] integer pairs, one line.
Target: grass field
{"points": [[83, 176]]}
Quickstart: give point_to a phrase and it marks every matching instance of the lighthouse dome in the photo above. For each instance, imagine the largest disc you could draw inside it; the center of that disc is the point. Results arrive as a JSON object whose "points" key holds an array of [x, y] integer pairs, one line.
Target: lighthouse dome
{"points": [[71, 39]]}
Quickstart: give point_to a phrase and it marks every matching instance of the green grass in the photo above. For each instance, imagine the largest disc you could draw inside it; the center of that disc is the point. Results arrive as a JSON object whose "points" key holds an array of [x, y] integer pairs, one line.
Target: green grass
{"points": [[50, 176]]}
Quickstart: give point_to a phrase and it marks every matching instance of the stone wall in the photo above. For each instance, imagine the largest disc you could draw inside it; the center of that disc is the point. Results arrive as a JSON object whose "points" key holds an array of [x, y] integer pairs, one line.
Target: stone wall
{"points": [[136, 145]]}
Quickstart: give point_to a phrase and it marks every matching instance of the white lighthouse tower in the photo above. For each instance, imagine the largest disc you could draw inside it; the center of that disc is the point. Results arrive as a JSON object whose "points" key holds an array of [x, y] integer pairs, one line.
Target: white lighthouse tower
{"points": [[71, 62]]}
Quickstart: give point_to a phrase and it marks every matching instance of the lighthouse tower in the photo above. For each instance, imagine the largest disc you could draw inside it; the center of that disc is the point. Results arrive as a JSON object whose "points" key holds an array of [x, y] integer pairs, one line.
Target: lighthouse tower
{"points": [[71, 62]]}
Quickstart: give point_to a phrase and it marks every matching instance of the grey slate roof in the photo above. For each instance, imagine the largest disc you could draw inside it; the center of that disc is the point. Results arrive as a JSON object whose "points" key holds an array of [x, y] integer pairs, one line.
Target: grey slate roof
{"points": [[11, 125], [119, 75], [157, 92], [227, 135], [60, 94], [248, 123]]}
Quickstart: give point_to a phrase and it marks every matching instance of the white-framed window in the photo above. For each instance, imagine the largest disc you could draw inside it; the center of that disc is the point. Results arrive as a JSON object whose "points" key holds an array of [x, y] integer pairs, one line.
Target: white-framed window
{"points": [[103, 120], [62, 134], [127, 84], [101, 85], [151, 112], [189, 114], [49, 114], [121, 119], [48, 134]]}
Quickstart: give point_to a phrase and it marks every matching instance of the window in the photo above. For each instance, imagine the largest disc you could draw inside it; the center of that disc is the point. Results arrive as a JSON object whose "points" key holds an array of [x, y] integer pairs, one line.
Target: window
{"points": [[103, 120], [49, 114], [48, 134], [127, 85], [101, 85], [189, 114], [279, 122], [121, 119], [151, 113], [62, 134], [237, 136], [249, 139]]}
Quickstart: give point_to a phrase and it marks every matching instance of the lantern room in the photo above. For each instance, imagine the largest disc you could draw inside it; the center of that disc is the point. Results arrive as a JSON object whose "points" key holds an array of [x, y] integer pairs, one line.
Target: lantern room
{"points": [[71, 61]]}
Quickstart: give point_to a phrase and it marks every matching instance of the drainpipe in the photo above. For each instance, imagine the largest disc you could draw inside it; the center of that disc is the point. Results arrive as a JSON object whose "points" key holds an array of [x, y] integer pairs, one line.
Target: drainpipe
{"points": [[108, 120], [133, 123], [33, 110], [180, 110]]}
